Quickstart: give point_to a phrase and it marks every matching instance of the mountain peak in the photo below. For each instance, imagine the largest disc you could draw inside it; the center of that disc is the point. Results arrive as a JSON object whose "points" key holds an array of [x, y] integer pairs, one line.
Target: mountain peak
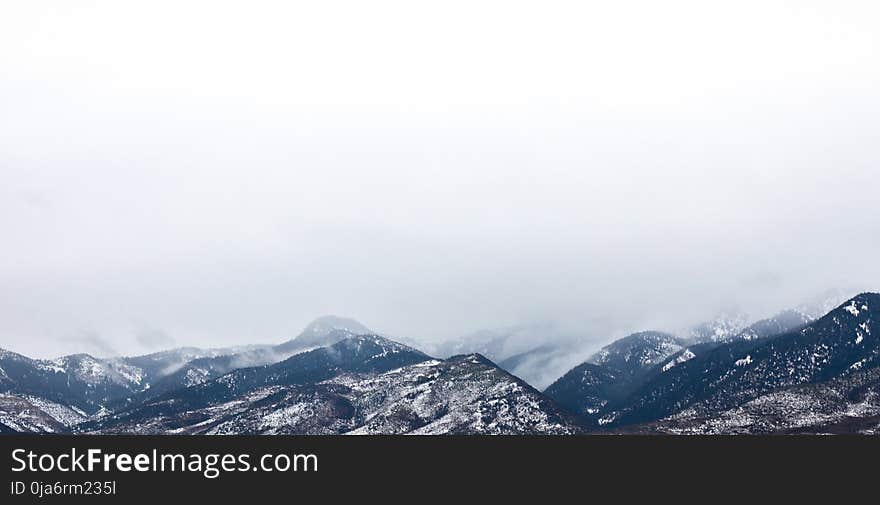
{"points": [[324, 331], [637, 351], [723, 327], [865, 302], [825, 302], [862, 303], [868, 296], [324, 325], [387, 345]]}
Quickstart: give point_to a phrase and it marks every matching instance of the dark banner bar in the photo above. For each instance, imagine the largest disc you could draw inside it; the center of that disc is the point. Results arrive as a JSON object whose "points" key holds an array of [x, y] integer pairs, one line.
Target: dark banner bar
{"points": [[93, 469]]}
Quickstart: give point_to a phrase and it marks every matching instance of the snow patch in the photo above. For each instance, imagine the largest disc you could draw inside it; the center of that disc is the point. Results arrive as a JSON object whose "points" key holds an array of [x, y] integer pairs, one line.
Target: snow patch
{"points": [[851, 308], [685, 356], [744, 361]]}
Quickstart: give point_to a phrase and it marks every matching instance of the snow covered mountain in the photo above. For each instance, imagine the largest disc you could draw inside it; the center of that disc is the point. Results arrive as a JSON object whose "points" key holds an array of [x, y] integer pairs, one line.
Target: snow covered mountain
{"points": [[637, 352], [93, 386], [323, 331], [671, 374], [79, 381], [729, 326], [722, 328], [718, 379], [847, 404], [780, 323], [462, 395], [612, 372], [362, 384], [354, 354], [32, 414], [163, 363], [785, 374]]}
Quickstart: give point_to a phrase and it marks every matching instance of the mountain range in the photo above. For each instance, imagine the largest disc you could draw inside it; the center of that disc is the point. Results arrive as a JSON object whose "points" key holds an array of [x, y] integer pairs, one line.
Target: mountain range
{"points": [[796, 372]]}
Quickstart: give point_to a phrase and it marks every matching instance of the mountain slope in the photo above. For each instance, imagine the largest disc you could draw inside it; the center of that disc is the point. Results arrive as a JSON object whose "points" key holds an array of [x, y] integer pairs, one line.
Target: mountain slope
{"points": [[637, 352], [783, 322], [612, 372], [202, 368], [361, 354], [604, 384], [95, 385], [724, 327], [161, 364], [31, 414], [461, 395], [324, 331], [79, 380], [841, 342], [847, 404]]}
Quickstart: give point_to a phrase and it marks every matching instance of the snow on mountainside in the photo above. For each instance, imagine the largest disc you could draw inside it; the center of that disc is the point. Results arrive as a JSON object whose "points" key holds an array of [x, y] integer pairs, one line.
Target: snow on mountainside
{"points": [[612, 372], [785, 374], [722, 328], [776, 325], [79, 380], [323, 331], [93, 370], [848, 404], [31, 414], [160, 364], [324, 325], [638, 351], [842, 342], [96, 385], [685, 355], [361, 354], [605, 392], [824, 303], [465, 395]]}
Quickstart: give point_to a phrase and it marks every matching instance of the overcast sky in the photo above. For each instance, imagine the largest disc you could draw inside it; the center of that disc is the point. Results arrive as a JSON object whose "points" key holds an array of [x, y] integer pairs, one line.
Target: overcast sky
{"points": [[217, 173]]}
